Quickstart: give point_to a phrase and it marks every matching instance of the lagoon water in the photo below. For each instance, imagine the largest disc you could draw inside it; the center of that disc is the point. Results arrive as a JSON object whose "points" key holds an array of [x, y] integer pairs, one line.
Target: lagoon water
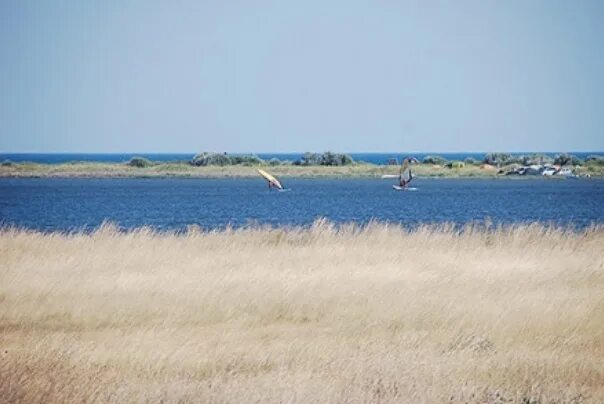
{"points": [[83, 204]]}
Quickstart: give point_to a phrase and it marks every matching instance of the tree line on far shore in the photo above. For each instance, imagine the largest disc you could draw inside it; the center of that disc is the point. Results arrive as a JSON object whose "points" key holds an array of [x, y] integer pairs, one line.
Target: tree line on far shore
{"points": [[503, 159], [341, 159], [223, 159]]}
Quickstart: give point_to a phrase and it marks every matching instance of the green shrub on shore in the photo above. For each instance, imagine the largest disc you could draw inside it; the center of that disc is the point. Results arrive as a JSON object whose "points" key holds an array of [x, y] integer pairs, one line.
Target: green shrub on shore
{"points": [[498, 159], [309, 159], [595, 160], [535, 159], [455, 164], [246, 160], [471, 161], [211, 159], [335, 159], [565, 159], [7, 163], [139, 162], [325, 159], [222, 159], [438, 160]]}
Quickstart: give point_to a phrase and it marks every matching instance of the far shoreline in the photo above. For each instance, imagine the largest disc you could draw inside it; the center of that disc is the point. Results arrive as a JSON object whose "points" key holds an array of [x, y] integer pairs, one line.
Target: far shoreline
{"points": [[182, 170]]}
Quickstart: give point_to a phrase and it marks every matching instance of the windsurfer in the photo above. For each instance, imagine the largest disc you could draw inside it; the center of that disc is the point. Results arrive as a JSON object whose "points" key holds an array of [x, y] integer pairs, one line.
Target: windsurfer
{"points": [[272, 181], [405, 175]]}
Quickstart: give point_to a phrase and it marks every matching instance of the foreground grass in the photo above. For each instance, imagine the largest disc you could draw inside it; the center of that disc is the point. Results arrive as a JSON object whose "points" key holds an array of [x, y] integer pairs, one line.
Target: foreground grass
{"points": [[324, 314]]}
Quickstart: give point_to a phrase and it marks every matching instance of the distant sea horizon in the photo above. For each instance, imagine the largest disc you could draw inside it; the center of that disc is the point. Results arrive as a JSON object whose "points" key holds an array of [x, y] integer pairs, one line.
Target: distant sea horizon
{"points": [[369, 157]]}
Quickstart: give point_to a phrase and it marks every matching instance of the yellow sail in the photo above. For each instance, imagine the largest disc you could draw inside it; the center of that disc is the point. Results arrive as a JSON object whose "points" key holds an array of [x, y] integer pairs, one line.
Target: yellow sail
{"points": [[271, 180]]}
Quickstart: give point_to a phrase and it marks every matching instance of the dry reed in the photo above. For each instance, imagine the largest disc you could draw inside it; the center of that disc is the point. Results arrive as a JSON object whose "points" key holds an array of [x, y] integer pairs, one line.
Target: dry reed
{"points": [[320, 314]]}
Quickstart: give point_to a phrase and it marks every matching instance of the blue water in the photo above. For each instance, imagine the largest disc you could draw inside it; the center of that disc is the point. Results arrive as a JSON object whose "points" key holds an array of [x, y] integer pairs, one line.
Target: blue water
{"points": [[79, 204], [375, 158]]}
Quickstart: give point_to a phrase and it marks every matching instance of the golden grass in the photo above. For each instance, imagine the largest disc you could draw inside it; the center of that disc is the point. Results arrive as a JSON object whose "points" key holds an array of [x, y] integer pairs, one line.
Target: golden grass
{"points": [[184, 170], [324, 314]]}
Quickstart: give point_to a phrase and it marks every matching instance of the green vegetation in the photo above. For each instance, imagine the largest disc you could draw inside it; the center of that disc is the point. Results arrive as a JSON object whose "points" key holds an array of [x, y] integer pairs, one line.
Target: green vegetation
{"points": [[563, 159], [308, 159], [222, 159], [535, 159], [325, 159], [567, 159], [140, 162], [215, 165], [455, 164], [438, 160], [498, 159], [211, 159], [595, 160]]}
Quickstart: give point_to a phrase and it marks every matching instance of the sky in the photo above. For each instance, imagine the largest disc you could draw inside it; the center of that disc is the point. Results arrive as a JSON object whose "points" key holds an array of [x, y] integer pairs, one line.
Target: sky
{"points": [[285, 76]]}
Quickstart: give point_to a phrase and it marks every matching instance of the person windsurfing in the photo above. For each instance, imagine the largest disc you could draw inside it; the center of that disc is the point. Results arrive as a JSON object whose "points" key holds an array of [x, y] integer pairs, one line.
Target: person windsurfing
{"points": [[405, 175], [272, 181], [272, 186]]}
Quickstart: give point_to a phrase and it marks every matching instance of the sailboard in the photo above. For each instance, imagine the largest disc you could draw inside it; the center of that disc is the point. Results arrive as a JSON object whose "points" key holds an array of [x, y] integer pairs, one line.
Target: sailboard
{"points": [[399, 188], [272, 181]]}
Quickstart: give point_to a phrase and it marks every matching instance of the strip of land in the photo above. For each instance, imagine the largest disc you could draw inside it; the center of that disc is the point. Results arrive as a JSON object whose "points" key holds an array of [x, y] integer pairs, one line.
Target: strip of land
{"points": [[319, 314], [358, 170]]}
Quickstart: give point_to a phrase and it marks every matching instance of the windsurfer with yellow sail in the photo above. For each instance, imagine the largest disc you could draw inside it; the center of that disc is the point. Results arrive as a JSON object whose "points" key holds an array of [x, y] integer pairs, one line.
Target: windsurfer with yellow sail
{"points": [[272, 181]]}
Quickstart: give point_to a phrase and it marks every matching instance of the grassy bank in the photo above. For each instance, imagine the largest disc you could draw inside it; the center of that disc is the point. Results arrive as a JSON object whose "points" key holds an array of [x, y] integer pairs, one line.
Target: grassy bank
{"points": [[323, 314], [186, 170], [181, 170]]}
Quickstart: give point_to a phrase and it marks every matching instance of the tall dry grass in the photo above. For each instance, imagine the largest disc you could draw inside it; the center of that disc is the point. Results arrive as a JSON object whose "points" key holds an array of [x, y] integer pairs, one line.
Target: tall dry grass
{"points": [[325, 314]]}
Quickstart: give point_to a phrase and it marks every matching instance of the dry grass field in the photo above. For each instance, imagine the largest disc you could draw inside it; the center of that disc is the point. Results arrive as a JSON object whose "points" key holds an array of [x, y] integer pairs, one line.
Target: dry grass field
{"points": [[183, 170], [322, 314]]}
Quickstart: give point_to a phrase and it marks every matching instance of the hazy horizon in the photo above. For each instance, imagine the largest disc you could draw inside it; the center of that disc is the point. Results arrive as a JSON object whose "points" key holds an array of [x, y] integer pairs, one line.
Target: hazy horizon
{"points": [[261, 152], [268, 77]]}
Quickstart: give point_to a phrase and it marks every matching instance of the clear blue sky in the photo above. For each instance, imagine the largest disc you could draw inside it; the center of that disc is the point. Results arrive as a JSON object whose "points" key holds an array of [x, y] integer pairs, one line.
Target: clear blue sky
{"points": [[284, 76]]}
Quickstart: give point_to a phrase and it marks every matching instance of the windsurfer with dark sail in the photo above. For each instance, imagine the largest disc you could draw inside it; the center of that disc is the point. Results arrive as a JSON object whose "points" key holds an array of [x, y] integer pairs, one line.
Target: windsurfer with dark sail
{"points": [[404, 182], [405, 175]]}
